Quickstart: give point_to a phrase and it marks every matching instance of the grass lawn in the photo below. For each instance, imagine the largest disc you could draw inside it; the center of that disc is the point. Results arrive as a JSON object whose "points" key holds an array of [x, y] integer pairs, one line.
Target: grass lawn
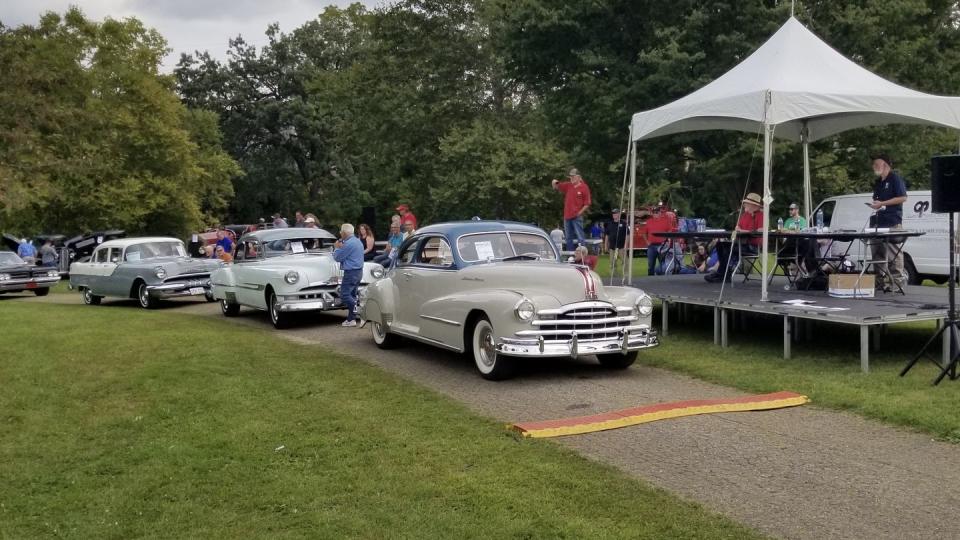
{"points": [[126, 423], [827, 369]]}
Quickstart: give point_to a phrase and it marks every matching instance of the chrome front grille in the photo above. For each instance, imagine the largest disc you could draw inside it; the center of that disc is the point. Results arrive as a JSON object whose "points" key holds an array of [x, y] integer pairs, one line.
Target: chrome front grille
{"points": [[20, 274], [588, 322], [191, 280]]}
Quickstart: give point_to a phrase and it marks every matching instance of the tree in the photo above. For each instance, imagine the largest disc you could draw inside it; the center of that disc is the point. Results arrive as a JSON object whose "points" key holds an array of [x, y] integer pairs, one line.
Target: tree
{"points": [[95, 136]]}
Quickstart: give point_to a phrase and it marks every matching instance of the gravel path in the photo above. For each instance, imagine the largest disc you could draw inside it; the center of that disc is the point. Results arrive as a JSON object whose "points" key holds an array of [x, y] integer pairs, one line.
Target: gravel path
{"points": [[795, 473]]}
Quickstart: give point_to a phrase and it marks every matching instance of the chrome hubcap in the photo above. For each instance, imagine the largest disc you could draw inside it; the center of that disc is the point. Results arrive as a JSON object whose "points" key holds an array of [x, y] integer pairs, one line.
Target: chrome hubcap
{"points": [[274, 311], [87, 296], [488, 351], [223, 305], [378, 332], [144, 296]]}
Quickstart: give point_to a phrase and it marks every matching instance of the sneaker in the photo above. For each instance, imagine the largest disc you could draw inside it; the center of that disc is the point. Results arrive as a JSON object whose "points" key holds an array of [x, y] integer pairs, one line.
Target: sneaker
{"points": [[348, 323]]}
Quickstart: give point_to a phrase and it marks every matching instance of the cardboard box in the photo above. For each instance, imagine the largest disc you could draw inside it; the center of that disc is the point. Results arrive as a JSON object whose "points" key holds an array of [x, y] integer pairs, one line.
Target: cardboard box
{"points": [[851, 285]]}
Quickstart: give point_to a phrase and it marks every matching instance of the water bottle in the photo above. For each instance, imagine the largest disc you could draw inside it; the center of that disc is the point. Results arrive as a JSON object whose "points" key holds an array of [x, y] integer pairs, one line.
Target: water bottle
{"points": [[779, 224], [819, 220]]}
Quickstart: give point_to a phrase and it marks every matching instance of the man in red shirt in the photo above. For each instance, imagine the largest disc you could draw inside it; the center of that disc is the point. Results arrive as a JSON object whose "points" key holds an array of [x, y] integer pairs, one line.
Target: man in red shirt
{"points": [[659, 222], [751, 220], [576, 201], [406, 216]]}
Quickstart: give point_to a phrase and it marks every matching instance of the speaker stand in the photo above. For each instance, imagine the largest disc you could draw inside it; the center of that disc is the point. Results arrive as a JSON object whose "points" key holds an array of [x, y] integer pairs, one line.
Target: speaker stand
{"points": [[951, 325]]}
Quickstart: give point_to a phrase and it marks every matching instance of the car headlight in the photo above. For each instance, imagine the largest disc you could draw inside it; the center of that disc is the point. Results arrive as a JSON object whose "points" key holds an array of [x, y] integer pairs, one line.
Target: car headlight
{"points": [[525, 309], [291, 277], [160, 272], [644, 305], [377, 272], [4, 277]]}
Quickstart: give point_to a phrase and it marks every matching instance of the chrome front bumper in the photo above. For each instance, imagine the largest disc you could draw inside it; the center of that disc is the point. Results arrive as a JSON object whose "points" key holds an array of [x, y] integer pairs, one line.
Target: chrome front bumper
{"points": [[324, 302], [200, 287], [632, 338], [28, 284]]}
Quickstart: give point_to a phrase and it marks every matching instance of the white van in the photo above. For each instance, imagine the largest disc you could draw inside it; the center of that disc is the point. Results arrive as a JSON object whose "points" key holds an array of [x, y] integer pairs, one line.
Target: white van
{"points": [[924, 257]]}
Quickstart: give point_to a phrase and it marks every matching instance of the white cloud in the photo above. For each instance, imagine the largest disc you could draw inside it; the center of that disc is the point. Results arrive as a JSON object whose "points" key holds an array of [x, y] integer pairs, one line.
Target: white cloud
{"points": [[188, 25]]}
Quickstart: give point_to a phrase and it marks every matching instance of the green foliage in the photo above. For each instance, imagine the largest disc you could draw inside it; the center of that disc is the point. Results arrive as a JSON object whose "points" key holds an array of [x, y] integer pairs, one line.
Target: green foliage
{"points": [[503, 171], [593, 64], [91, 136]]}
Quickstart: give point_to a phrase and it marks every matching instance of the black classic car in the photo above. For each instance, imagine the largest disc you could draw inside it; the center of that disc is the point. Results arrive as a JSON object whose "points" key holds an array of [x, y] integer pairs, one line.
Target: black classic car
{"points": [[18, 276], [81, 247]]}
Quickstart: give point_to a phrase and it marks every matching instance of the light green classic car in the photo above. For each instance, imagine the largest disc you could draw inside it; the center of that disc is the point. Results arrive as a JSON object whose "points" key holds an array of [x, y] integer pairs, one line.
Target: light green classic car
{"points": [[498, 291], [282, 272]]}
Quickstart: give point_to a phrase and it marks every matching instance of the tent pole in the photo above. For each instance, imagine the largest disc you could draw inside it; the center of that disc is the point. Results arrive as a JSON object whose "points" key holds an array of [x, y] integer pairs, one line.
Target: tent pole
{"points": [[807, 195], [633, 200], [767, 198]]}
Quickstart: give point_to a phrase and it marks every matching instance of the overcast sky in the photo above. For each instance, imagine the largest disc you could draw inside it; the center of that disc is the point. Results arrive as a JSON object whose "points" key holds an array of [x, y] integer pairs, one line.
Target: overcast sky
{"points": [[188, 25]]}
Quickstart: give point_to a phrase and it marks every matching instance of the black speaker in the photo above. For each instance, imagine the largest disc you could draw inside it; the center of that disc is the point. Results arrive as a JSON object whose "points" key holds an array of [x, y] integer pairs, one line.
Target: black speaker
{"points": [[945, 184], [370, 218]]}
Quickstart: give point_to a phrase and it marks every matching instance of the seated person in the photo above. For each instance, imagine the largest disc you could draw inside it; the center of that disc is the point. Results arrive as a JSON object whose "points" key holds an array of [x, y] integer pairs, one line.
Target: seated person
{"points": [[582, 256], [393, 244], [795, 222], [223, 255], [704, 261], [751, 220]]}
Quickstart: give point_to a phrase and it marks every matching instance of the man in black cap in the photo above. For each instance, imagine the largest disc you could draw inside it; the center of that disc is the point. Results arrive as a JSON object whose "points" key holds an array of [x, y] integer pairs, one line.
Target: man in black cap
{"points": [[889, 194], [615, 240]]}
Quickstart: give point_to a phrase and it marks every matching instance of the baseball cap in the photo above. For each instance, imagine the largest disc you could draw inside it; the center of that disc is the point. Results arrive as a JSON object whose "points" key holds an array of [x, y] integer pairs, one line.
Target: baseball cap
{"points": [[883, 156], [402, 207], [794, 205], [309, 220], [615, 211]]}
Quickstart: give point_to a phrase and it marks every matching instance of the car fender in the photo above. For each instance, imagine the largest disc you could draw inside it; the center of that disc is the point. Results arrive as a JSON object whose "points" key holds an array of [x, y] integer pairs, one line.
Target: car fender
{"points": [[498, 305], [379, 301], [222, 281], [622, 296]]}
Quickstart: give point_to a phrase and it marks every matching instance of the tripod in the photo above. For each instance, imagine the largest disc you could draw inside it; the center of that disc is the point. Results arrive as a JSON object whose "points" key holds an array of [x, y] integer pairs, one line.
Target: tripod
{"points": [[951, 324]]}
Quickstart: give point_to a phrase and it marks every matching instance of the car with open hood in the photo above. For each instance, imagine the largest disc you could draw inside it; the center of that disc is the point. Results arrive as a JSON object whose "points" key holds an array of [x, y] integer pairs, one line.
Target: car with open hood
{"points": [[18, 276], [149, 269], [498, 291], [282, 272]]}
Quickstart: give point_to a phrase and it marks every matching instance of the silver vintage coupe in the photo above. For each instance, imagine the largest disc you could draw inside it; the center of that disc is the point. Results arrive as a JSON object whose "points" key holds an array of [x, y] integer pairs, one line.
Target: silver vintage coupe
{"points": [[283, 271], [498, 291], [149, 269]]}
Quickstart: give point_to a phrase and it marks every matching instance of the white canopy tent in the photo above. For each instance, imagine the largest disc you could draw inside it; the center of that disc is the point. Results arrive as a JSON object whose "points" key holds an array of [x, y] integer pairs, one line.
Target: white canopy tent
{"points": [[794, 87]]}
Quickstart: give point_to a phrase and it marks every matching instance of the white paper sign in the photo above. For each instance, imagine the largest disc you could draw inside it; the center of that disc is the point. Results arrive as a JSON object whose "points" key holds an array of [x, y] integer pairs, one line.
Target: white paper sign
{"points": [[296, 247], [484, 250], [99, 239], [195, 238]]}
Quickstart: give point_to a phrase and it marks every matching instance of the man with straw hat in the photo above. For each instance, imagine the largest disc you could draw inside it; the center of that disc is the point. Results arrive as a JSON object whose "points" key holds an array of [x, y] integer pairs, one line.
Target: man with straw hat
{"points": [[751, 220]]}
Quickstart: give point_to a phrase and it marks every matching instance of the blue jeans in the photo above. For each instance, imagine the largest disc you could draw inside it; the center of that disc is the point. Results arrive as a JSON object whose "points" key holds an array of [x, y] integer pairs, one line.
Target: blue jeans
{"points": [[653, 254], [349, 287], [573, 228]]}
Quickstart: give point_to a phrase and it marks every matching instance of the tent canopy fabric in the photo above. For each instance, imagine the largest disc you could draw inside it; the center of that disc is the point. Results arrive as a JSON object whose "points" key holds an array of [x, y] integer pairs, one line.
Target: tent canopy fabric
{"points": [[807, 82]]}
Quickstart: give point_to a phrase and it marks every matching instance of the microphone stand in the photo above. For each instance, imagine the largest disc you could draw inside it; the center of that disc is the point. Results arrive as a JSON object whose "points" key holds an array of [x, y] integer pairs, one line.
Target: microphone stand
{"points": [[952, 323]]}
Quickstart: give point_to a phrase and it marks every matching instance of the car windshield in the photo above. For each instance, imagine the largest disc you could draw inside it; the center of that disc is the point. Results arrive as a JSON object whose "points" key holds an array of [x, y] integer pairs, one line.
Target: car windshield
{"points": [[501, 245], [9, 257], [151, 250], [293, 246]]}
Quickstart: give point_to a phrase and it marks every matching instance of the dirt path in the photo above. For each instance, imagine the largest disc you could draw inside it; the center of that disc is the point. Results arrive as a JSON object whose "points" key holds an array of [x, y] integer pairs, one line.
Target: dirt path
{"points": [[794, 473]]}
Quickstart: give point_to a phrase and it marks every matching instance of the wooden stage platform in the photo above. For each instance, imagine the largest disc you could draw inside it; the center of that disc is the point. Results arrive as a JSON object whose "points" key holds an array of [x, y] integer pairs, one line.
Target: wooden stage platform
{"points": [[869, 314]]}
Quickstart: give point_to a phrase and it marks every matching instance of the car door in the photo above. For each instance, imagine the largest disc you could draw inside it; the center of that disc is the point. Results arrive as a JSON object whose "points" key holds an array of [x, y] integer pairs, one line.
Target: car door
{"points": [[404, 318], [431, 281], [112, 282], [94, 270], [249, 290]]}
